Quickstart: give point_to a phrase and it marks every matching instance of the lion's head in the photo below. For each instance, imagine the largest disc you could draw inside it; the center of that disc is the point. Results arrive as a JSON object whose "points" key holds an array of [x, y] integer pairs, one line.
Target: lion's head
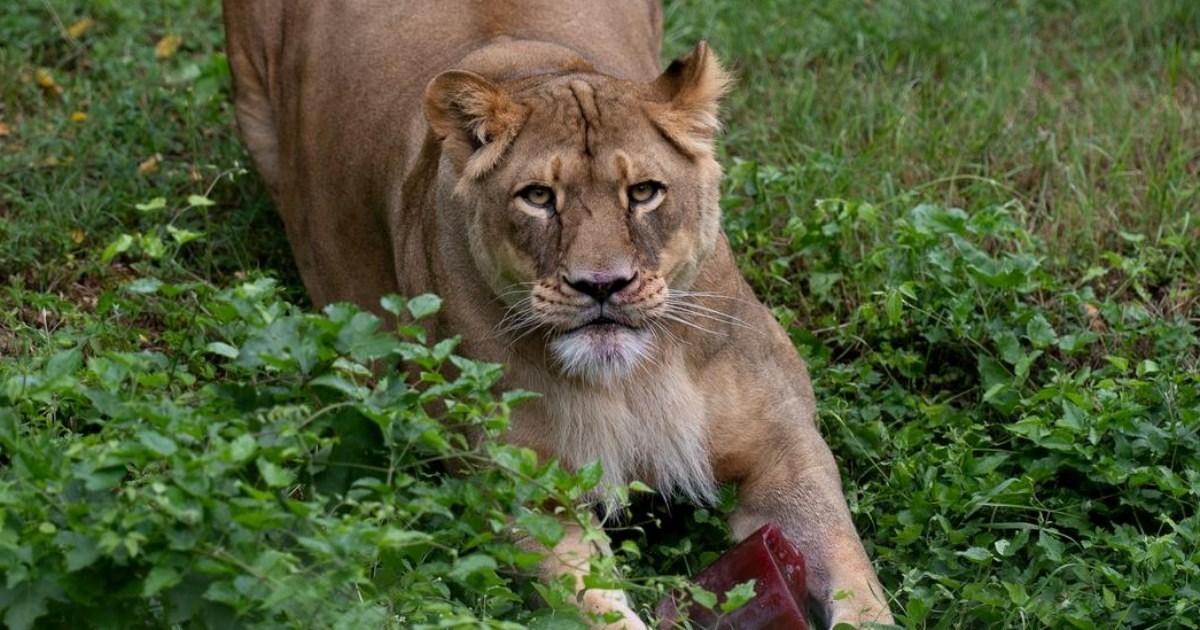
{"points": [[593, 201]]}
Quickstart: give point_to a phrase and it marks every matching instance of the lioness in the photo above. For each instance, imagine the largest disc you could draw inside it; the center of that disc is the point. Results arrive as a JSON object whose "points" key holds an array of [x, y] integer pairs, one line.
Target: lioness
{"points": [[527, 161]]}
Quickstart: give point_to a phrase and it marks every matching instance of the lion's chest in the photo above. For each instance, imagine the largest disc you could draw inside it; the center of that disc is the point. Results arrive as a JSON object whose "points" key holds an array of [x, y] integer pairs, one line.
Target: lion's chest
{"points": [[649, 429]]}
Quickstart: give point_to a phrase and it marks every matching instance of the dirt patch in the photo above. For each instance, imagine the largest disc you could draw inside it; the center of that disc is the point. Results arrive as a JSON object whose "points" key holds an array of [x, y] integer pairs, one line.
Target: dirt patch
{"points": [[10, 343]]}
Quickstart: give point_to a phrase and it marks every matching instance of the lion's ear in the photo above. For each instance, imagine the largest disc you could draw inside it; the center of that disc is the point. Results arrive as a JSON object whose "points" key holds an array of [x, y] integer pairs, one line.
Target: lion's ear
{"points": [[475, 119], [687, 96]]}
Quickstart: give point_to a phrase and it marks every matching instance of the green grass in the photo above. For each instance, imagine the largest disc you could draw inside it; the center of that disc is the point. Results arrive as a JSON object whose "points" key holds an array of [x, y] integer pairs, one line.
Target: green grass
{"points": [[976, 218], [1083, 111]]}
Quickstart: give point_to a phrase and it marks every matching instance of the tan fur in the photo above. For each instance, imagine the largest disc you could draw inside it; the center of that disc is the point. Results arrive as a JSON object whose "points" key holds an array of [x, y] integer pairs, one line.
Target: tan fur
{"points": [[401, 139]]}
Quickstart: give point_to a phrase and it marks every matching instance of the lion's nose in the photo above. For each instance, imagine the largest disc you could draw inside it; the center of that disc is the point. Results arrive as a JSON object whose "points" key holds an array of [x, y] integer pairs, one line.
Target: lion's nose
{"points": [[600, 285]]}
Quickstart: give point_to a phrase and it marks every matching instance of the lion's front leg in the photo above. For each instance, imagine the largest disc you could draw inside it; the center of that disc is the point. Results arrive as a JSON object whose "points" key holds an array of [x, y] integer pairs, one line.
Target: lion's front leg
{"points": [[797, 487], [572, 556]]}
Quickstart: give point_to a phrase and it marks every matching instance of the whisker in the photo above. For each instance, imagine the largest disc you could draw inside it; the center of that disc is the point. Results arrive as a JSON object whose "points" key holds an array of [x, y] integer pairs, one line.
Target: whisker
{"points": [[532, 326], [696, 310], [516, 288], [517, 317], [647, 353], [675, 318], [517, 329], [658, 327], [679, 293], [519, 309]]}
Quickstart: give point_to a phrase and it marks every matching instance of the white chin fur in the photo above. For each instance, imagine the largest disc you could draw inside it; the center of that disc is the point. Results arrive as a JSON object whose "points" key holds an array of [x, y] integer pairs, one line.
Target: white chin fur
{"points": [[601, 354]]}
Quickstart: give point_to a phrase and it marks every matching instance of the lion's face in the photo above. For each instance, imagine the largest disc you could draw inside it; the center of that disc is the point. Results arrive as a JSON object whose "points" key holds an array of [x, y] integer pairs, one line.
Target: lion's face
{"points": [[591, 215]]}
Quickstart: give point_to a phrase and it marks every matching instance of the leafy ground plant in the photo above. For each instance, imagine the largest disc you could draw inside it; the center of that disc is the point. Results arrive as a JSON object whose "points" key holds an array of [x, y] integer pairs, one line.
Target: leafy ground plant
{"points": [[1029, 440], [266, 478], [977, 220]]}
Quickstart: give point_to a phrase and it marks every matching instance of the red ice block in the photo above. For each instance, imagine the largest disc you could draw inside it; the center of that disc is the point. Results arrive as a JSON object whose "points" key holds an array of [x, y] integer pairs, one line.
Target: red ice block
{"points": [[780, 596]]}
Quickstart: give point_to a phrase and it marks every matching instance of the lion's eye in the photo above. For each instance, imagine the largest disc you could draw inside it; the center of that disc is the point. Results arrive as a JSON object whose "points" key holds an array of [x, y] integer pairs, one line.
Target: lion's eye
{"points": [[644, 192], [539, 196]]}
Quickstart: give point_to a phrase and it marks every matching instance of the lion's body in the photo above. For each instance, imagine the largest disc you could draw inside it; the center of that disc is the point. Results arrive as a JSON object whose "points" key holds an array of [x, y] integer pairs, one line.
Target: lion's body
{"points": [[551, 175]]}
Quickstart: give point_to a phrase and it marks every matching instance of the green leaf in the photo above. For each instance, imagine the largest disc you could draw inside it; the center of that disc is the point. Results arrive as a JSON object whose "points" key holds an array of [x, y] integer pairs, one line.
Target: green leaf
{"points": [[931, 219], [738, 596], [894, 307], [591, 474], [64, 364], [81, 550], [517, 396], [1120, 363], [976, 554], [1131, 237], [144, 286], [222, 349], [1024, 365], [242, 448], [1040, 333], [1073, 418], [1009, 346], [157, 442], [993, 373], [362, 339], [393, 304], [153, 246], [702, 597], [544, 528], [103, 479], [157, 203], [1016, 593], [199, 201], [468, 566], [183, 236], [398, 538], [424, 305], [274, 475], [340, 384], [25, 603], [159, 578], [1051, 545], [638, 486]]}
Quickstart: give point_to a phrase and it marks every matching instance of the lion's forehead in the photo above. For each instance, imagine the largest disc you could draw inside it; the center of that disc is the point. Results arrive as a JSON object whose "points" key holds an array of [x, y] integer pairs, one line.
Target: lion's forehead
{"points": [[593, 127]]}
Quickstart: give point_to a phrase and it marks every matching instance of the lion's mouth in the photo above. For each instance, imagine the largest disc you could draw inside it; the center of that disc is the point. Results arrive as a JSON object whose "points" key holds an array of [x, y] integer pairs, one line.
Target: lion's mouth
{"points": [[601, 323]]}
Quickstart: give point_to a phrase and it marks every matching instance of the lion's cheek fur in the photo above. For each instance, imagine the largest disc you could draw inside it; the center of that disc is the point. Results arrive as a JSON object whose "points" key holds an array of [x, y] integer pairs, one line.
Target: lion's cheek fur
{"points": [[481, 256], [499, 261], [686, 250]]}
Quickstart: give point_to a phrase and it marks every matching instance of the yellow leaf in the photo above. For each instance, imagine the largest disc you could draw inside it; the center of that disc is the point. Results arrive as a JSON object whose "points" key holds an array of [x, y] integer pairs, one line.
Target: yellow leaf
{"points": [[43, 78], [76, 236], [79, 28], [167, 46], [46, 82], [150, 164], [4, 129], [78, 117]]}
